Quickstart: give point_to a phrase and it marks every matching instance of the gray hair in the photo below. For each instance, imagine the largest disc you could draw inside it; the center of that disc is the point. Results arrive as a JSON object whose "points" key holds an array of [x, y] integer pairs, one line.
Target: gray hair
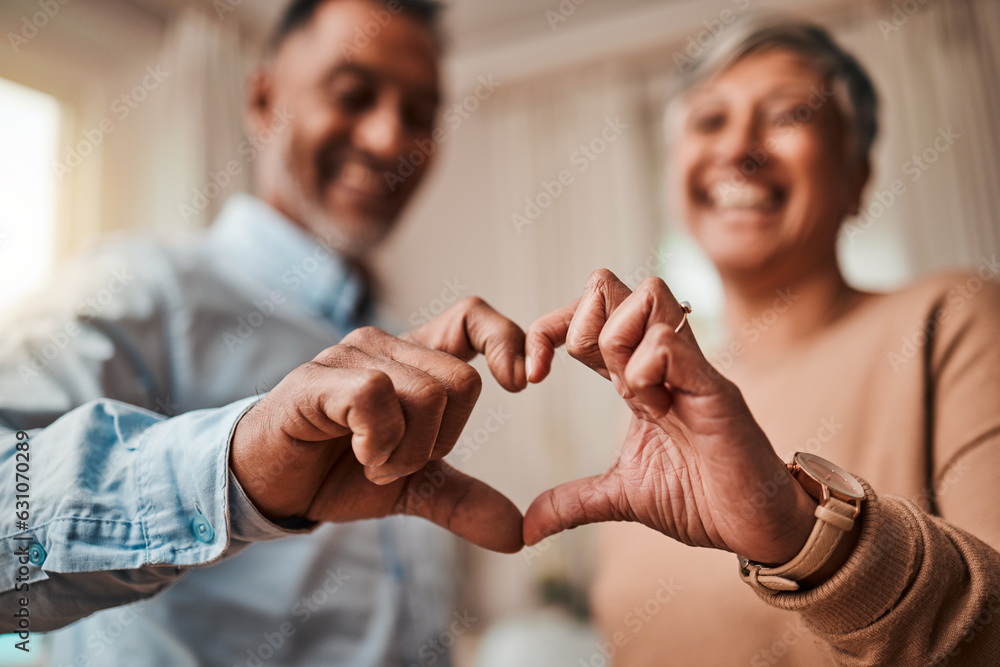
{"points": [[853, 90]]}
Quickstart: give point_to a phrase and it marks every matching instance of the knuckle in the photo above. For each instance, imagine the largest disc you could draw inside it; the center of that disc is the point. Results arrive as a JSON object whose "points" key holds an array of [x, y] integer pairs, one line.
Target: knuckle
{"points": [[634, 374], [473, 303], [311, 368], [654, 285], [608, 340], [429, 393], [466, 380], [511, 331], [582, 347], [373, 385], [660, 333], [335, 356], [392, 426], [307, 376], [599, 279], [363, 335]]}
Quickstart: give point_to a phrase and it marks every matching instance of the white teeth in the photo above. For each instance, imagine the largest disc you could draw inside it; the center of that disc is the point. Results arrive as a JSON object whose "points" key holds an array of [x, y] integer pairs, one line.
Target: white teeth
{"points": [[359, 177], [740, 195]]}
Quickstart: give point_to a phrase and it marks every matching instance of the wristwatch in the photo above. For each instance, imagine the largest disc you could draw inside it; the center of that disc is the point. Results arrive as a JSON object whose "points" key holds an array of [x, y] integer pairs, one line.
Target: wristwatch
{"points": [[839, 496]]}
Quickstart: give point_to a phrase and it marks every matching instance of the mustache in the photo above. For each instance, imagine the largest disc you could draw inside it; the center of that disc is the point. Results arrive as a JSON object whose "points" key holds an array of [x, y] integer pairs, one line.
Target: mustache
{"points": [[331, 162]]}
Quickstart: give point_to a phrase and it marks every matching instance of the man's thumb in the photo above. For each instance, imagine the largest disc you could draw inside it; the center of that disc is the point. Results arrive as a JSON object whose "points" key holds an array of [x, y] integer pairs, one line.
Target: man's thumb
{"points": [[464, 505]]}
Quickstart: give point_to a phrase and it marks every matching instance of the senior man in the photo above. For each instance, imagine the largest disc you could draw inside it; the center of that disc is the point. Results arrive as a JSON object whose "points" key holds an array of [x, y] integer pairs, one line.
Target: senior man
{"points": [[126, 504]]}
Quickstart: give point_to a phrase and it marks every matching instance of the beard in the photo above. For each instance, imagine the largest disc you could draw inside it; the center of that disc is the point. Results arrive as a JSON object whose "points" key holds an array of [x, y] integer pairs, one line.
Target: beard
{"points": [[354, 238]]}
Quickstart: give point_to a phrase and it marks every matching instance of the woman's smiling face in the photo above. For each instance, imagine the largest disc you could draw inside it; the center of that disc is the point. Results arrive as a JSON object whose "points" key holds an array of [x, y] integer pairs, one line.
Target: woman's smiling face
{"points": [[764, 166]]}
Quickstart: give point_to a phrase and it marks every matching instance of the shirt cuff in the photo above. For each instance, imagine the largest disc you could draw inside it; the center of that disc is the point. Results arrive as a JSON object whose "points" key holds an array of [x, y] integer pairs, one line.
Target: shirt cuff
{"points": [[184, 486], [247, 524], [119, 488]]}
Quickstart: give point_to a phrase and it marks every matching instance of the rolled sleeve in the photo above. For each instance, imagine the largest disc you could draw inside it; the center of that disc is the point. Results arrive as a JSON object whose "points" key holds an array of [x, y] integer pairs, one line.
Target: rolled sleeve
{"points": [[123, 495]]}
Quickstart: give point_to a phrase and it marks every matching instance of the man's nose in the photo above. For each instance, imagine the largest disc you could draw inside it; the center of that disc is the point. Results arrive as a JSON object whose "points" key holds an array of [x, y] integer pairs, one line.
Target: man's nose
{"points": [[380, 131]]}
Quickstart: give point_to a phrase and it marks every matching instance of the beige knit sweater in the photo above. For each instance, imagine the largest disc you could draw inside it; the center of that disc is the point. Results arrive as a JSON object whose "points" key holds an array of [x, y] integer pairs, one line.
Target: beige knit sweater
{"points": [[903, 389]]}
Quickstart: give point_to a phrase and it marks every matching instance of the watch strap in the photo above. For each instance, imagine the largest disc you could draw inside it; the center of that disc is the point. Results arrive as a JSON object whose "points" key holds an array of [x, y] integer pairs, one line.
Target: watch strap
{"points": [[835, 518]]}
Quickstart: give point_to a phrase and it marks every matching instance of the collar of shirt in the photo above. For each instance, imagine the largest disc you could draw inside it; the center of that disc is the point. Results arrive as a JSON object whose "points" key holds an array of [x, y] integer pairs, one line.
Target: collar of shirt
{"points": [[261, 243]]}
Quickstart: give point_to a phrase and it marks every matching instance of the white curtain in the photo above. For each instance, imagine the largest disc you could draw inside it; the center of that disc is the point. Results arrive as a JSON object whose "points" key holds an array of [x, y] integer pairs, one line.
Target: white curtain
{"points": [[936, 69], [175, 108], [199, 124]]}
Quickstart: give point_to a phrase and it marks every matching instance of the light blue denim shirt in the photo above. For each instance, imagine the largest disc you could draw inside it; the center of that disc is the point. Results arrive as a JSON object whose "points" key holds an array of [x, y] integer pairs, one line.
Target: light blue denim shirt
{"points": [[127, 377]]}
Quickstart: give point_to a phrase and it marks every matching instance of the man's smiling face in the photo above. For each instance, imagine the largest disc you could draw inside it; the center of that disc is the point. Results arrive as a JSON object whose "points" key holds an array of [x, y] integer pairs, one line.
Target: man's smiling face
{"points": [[356, 108]]}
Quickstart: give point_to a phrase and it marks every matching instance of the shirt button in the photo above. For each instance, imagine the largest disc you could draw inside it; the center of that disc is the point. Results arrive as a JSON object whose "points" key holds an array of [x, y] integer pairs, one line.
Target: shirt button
{"points": [[36, 554], [203, 531]]}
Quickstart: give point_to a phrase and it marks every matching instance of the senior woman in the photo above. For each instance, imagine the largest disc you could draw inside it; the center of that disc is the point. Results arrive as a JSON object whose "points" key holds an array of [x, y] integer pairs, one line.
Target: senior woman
{"points": [[893, 563]]}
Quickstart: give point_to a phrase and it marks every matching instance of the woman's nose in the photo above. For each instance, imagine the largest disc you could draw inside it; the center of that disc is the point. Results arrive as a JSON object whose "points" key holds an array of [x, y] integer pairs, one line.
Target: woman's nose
{"points": [[738, 141]]}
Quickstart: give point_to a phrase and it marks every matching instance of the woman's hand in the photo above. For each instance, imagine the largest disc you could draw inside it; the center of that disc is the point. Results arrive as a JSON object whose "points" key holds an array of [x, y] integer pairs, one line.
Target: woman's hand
{"points": [[695, 465]]}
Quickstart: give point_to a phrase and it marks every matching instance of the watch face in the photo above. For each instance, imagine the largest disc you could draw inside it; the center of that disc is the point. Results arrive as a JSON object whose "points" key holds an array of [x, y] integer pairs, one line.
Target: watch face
{"points": [[838, 479]]}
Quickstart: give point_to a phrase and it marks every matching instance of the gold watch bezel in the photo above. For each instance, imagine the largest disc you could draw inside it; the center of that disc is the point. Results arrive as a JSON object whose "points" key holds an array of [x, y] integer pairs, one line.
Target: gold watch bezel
{"points": [[822, 479]]}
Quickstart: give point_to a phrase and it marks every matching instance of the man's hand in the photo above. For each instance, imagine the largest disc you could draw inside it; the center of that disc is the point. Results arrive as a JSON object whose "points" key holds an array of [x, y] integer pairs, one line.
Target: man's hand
{"points": [[359, 432], [693, 456]]}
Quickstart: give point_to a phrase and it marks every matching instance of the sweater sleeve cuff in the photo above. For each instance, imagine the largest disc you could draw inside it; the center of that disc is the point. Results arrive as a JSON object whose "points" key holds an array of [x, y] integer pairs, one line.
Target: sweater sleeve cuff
{"points": [[881, 567]]}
